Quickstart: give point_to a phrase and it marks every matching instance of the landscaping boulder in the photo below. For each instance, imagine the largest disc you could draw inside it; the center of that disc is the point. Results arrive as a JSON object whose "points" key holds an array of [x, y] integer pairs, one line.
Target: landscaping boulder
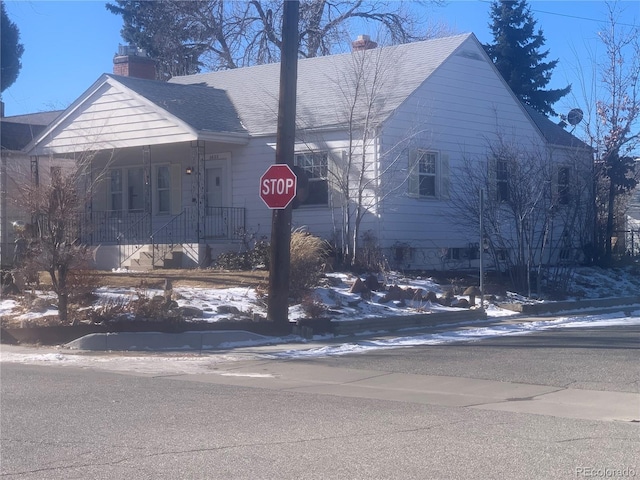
{"points": [[372, 283], [358, 286], [228, 309], [190, 312]]}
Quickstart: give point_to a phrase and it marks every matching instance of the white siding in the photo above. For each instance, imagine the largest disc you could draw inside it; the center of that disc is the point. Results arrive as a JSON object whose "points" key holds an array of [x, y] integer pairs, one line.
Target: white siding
{"points": [[113, 118], [456, 112]]}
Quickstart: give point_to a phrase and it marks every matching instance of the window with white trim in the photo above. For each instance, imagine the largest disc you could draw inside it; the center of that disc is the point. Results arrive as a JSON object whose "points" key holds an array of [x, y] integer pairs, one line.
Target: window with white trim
{"points": [[163, 189], [427, 174], [502, 180], [316, 166], [428, 177], [126, 189], [115, 190], [564, 187]]}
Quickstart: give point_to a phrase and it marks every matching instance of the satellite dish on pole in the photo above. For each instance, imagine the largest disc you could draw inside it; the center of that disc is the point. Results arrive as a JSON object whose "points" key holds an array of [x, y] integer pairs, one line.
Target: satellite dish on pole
{"points": [[574, 116]]}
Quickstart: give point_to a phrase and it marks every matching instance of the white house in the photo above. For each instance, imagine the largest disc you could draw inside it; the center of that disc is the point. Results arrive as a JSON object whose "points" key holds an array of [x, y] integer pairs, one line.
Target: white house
{"points": [[177, 164]]}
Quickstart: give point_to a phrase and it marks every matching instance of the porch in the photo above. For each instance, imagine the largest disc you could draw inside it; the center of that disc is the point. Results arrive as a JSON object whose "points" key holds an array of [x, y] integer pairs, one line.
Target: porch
{"points": [[139, 240]]}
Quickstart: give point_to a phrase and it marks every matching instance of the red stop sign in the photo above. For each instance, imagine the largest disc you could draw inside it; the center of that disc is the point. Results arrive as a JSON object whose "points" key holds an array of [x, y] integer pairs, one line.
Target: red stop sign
{"points": [[278, 186]]}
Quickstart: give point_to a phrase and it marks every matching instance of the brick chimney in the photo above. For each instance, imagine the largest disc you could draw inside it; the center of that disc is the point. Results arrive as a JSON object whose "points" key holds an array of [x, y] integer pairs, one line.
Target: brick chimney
{"points": [[363, 42], [133, 62]]}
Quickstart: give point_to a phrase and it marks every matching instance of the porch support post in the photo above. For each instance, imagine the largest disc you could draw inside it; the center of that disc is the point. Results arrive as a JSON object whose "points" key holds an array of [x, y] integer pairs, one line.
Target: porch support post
{"points": [[35, 181], [35, 171], [197, 213], [4, 233], [146, 171]]}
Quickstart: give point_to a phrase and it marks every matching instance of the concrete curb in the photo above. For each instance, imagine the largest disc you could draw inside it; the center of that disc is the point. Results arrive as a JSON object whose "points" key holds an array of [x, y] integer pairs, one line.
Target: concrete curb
{"points": [[408, 321], [158, 341], [555, 307]]}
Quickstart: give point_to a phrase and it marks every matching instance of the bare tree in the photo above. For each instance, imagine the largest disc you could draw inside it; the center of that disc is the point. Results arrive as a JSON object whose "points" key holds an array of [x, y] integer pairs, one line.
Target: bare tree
{"points": [[361, 175], [534, 211], [54, 202], [219, 34], [613, 119]]}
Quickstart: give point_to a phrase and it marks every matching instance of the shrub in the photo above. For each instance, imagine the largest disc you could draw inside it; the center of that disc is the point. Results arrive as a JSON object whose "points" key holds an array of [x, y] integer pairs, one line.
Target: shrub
{"points": [[308, 255], [312, 306], [256, 256]]}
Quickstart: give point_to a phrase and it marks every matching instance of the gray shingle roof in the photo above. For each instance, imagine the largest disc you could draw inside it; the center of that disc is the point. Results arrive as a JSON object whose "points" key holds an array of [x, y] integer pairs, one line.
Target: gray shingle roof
{"points": [[39, 118], [204, 108], [15, 136], [18, 130], [553, 133], [254, 90]]}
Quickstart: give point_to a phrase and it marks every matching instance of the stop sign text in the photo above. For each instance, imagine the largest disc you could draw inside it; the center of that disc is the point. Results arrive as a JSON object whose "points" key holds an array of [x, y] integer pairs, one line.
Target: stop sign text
{"points": [[278, 186]]}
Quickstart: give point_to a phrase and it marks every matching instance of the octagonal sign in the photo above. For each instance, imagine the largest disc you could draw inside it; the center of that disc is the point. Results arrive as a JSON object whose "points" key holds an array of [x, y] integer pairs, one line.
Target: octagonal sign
{"points": [[278, 186]]}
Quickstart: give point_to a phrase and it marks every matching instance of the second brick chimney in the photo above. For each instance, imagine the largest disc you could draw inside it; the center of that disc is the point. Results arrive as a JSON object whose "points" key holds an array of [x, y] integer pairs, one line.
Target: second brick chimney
{"points": [[133, 62], [363, 42]]}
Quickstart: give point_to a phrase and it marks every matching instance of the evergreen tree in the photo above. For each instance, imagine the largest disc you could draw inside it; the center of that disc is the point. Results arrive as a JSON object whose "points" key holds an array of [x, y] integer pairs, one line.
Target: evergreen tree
{"points": [[517, 56], [11, 53]]}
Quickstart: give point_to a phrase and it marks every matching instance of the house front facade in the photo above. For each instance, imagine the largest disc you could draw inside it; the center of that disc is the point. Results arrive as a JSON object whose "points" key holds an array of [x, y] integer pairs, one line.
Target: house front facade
{"points": [[383, 137]]}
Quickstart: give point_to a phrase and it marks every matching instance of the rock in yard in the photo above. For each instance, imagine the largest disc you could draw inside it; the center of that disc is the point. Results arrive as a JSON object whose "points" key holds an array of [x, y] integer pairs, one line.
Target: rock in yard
{"points": [[228, 309], [372, 283], [190, 312], [358, 286]]}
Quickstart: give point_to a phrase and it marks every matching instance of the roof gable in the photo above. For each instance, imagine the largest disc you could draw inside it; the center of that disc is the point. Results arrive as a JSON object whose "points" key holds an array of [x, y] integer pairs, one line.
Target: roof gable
{"points": [[203, 108], [120, 112], [321, 82]]}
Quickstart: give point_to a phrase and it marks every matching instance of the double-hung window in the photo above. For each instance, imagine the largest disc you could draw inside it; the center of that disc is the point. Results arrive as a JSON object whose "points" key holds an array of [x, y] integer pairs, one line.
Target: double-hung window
{"points": [[502, 180], [564, 192], [316, 167], [428, 177], [163, 189], [115, 190], [427, 173], [126, 189]]}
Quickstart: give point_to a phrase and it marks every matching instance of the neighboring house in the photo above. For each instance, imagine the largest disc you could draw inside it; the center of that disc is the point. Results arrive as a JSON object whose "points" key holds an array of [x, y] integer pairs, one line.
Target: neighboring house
{"points": [[16, 132], [177, 165], [632, 240]]}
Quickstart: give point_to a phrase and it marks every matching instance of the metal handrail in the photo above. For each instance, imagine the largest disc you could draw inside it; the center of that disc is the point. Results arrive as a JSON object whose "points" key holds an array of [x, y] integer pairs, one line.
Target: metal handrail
{"points": [[167, 228], [131, 248]]}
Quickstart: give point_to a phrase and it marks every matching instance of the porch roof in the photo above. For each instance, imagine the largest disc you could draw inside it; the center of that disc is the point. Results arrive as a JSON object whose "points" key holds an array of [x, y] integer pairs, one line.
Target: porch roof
{"points": [[120, 112]]}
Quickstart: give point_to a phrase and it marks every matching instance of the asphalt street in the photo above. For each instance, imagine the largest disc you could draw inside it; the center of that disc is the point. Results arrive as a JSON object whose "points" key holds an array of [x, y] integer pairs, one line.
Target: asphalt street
{"points": [[555, 404]]}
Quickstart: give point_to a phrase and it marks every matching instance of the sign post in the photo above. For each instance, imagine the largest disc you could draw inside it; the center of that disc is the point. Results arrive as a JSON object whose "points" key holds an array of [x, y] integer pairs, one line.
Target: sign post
{"points": [[280, 258]]}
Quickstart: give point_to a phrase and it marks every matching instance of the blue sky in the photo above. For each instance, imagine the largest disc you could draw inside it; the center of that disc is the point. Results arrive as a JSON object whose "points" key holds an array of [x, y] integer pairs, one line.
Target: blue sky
{"points": [[68, 45]]}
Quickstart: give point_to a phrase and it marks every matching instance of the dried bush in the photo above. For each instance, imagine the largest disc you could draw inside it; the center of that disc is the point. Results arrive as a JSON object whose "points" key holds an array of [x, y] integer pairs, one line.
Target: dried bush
{"points": [[312, 306], [256, 256], [157, 307], [370, 256], [82, 284], [308, 256]]}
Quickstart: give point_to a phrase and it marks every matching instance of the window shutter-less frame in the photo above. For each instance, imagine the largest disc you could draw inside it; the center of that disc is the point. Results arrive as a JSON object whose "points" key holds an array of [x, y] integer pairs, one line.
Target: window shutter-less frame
{"points": [[492, 177], [176, 189], [444, 176], [100, 195], [414, 177]]}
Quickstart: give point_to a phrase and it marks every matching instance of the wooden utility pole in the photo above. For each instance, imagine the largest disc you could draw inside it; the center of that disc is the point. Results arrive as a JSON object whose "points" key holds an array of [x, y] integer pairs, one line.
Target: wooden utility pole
{"points": [[278, 301]]}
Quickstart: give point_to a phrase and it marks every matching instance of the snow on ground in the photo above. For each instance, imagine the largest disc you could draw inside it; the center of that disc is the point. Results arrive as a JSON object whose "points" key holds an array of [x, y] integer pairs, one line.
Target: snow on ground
{"points": [[343, 305], [216, 304]]}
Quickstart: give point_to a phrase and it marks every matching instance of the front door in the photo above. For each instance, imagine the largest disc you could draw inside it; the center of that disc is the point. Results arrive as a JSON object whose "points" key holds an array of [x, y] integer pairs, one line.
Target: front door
{"points": [[213, 187], [215, 201]]}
